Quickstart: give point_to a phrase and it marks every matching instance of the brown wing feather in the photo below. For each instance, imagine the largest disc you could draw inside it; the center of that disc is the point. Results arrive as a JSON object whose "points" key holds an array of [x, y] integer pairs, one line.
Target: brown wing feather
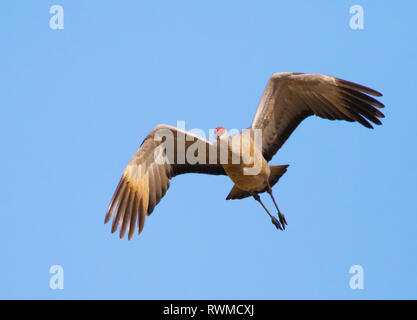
{"points": [[145, 181], [289, 98]]}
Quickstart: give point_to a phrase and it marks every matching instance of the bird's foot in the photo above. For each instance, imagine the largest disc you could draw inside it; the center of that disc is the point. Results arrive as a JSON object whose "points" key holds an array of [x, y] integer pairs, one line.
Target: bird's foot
{"points": [[282, 220], [276, 223]]}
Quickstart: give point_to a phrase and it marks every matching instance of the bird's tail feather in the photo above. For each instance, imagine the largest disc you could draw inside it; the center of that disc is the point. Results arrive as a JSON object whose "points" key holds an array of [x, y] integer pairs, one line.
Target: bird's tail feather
{"points": [[276, 173]]}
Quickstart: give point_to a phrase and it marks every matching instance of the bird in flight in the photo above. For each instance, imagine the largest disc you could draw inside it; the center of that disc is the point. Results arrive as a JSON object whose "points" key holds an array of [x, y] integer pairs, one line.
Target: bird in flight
{"points": [[287, 100]]}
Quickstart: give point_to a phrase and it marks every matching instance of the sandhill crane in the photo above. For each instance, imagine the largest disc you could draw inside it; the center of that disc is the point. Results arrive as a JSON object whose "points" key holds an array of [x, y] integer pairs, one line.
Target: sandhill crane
{"points": [[287, 100]]}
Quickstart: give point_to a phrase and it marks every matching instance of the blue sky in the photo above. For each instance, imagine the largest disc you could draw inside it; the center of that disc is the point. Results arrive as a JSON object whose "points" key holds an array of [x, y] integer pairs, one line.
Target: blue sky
{"points": [[76, 104]]}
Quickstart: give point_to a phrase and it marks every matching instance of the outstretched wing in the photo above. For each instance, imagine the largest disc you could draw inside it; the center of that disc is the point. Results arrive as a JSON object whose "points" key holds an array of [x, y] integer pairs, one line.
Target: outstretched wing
{"points": [[166, 152], [289, 98]]}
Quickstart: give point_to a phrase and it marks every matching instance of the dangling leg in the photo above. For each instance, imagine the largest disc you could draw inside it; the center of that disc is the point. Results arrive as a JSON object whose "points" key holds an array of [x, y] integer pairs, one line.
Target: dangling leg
{"points": [[280, 215], [274, 220]]}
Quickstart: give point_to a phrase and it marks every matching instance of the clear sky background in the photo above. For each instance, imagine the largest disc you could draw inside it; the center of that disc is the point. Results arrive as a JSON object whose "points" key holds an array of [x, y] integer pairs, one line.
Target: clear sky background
{"points": [[76, 104]]}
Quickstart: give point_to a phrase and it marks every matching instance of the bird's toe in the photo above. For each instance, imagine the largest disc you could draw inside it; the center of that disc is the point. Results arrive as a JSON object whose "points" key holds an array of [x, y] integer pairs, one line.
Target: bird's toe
{"points": [[276, 223], [283, 220]]}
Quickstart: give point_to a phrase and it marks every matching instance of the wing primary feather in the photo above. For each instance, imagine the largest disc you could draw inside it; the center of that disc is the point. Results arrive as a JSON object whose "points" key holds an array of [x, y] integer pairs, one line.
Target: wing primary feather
{"points": [[127, 212], [142, 215], [361, 96], [355, 86], [134, 216], [359, 118], [113, 201], [357, 108], [363, 106], [121, 210], [118, 211]]}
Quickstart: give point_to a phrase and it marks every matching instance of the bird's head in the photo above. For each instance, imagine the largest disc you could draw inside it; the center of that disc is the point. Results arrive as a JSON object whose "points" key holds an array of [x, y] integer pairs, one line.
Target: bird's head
{"points": [[220, 132]]}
